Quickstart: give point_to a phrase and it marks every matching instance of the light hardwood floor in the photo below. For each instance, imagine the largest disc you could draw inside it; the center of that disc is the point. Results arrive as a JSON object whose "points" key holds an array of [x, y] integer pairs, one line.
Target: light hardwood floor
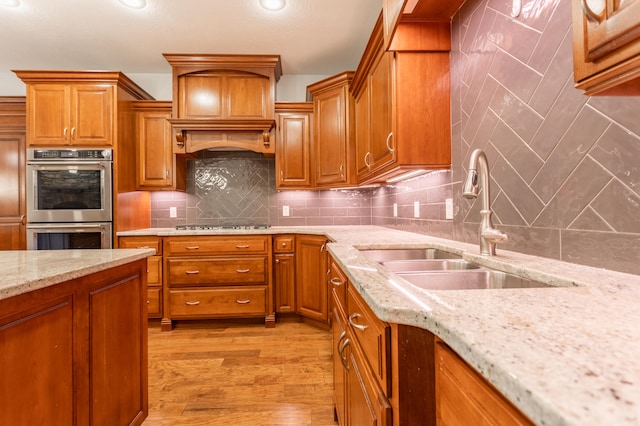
{"points": [[208, 373]]}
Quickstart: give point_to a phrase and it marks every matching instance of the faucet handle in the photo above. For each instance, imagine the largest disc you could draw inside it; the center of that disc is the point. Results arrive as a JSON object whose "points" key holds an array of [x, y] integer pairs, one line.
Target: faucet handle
{"points": [[494, 235]]}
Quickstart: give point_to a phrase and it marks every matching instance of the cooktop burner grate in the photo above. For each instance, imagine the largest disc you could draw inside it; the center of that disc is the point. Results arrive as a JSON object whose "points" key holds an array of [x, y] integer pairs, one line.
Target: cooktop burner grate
{"points": [[198, 227]]}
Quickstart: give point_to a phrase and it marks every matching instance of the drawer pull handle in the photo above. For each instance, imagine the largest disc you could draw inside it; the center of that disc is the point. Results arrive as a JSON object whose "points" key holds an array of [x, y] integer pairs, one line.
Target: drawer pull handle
{"points": [[243, 301], [243, 271], [336, 281], [354, 325], [196, 272], [243, 246], [192, 247], [197, 302], [343, 358]]}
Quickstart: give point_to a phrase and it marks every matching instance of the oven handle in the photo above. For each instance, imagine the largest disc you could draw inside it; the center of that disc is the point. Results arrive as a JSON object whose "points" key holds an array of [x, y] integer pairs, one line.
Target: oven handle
{"points": [[59, 226], [69, 163]]}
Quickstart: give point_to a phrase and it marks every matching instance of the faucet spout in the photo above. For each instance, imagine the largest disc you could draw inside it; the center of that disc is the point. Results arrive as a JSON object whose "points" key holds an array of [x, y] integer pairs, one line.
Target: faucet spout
{"points": [[478, 177]]}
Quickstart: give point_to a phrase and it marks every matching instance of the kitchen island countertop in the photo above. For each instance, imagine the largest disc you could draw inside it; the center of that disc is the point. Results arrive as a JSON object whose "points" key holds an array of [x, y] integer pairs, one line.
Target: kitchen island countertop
{"points": [[568, 355], [22, 271]]}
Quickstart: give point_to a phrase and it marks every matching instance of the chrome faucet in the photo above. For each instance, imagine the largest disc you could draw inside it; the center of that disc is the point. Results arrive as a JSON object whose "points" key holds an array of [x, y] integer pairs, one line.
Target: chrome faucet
{"points": [[489, 236]]}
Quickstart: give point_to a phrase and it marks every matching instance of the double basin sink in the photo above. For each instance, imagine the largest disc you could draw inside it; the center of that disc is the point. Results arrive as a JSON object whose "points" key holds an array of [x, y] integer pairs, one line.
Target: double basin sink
{"points": [[434, 269]]}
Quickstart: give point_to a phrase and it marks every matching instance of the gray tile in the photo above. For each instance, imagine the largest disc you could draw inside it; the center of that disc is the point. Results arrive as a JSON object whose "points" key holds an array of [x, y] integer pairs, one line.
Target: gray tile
{"points": [[589, 220], [555, 20], [478, 111], [572, 148], [505, 212], [623, 110], [516, 152], [543, 242], [511, 36], [516, 114], [618, 151], [610, 250], [517, 77], [574, 196], [619, 207]]}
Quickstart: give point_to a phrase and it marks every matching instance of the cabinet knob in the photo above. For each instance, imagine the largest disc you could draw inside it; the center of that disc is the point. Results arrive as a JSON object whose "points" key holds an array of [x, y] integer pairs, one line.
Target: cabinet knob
{"points": [[277, 260]]}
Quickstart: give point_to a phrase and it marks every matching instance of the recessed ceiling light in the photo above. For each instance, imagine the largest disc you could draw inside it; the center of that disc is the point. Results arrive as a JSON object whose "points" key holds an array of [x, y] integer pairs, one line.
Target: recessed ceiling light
{"points": [[273, 4], [10, 3], [134, 4]]}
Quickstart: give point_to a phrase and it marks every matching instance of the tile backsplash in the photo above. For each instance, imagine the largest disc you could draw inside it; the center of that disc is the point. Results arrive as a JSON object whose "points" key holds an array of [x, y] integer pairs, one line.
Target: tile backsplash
{"points": [[565, 167]]}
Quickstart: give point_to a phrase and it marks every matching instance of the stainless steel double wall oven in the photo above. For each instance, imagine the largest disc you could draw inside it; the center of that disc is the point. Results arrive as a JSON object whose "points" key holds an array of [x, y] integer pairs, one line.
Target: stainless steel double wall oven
{"points": [[69, 198]]}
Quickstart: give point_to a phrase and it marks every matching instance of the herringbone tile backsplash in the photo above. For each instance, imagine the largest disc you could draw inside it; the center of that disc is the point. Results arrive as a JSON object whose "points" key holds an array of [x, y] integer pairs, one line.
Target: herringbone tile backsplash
{"points": [[565, 167]]}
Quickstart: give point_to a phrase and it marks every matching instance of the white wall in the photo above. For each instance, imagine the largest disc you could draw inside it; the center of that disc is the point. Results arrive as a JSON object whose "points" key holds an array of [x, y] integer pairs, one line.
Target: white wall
{"points": [[290, 88]]}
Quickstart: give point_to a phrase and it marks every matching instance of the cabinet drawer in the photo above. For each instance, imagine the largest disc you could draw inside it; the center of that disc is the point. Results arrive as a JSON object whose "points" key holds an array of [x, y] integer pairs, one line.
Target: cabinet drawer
{"points": [[141, 242], [217, 271], [338, 283], [154, 271], [218, 302], [284, 244], [218, 245], [373, 335], [153, 302]]}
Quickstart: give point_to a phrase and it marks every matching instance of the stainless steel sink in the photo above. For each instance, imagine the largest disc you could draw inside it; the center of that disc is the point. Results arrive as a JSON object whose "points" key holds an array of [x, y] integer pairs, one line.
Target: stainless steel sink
{"points": [[384, 255], [420, 265], [468, 280]]}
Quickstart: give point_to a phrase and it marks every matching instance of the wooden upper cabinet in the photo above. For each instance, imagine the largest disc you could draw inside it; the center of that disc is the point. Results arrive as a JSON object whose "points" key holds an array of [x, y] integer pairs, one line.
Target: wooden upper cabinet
{"points": [[403, 121], [224, 101], [224, 95], [334, 131], [70, 114], [75, 108], [293, 145], [606, 46]]}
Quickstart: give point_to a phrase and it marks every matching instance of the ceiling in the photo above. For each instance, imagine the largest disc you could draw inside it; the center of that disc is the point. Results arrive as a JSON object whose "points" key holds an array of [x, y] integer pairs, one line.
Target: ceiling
{"points": [[321, 37]]}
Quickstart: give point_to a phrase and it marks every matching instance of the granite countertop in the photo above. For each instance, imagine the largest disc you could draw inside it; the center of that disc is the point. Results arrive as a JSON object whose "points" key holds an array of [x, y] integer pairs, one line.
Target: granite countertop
{"points": [[28, 270], [568, 355]]}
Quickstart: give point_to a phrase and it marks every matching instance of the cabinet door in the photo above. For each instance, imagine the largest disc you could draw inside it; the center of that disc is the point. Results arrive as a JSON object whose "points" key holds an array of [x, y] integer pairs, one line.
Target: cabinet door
{"points": [[381, 92], [48, 114], [37, 366], [155, 158], [340, 347], [91, 114], [330, 136], [12, 198], [363, 133], [368, 404], [293, 147], [609, 26], [311, 277], [117, 351], [285, 282]]}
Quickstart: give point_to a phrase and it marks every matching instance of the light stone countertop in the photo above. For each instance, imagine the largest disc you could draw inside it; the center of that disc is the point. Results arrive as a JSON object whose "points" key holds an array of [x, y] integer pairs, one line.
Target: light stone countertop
{"points": [[564, 356], [22, 271]]}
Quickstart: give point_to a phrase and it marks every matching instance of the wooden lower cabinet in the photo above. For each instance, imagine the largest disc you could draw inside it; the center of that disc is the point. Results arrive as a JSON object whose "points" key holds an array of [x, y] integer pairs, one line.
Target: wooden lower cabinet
{"points": [[463, 397], [154, 270], [311, 277], [284, 270], [218, 276], [76, 352]]}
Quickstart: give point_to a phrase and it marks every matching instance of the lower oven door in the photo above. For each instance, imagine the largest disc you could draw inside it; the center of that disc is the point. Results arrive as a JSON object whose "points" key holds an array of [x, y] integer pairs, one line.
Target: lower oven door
{"points": [[63, 236]]}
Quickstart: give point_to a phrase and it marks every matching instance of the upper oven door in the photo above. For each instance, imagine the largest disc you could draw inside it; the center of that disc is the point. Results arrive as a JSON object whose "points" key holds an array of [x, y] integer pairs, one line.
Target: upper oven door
{"points": [[69, 191]]}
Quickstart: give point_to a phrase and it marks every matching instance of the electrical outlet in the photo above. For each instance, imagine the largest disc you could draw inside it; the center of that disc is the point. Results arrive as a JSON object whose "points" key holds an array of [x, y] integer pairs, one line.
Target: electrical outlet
{"points": [[395, 209], [448, 204], [285, 210], [416, 209], [173, 212]]}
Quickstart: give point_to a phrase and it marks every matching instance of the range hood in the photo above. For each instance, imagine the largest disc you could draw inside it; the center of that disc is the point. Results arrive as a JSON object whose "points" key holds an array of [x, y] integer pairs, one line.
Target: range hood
{"points": [[224, 102]]}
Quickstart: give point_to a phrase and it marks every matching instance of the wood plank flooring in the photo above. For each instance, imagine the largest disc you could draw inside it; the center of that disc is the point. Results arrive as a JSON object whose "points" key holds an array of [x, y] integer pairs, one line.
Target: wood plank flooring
{"points": [[238, 374]]}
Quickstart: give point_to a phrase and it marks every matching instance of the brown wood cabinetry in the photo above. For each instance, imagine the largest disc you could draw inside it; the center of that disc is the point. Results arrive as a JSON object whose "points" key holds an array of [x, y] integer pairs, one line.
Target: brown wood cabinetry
{"points": [[158, 167], [361, 344], [311, 277], [222, 101], [606, 47], [12, 173], [76, 352], [293, 145], [218, 277], [284, 269], [402, 105], [334, 130], [91, 109], [154, 270], [464, 397]]}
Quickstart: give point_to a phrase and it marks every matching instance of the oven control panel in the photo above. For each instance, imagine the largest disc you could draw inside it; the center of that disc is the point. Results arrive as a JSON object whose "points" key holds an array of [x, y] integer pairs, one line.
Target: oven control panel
{"points": [[69, 154]]}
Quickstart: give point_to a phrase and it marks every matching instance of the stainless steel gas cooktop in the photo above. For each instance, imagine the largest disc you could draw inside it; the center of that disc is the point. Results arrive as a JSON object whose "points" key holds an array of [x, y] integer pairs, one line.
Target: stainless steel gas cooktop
{"points": [[199, 227]]}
